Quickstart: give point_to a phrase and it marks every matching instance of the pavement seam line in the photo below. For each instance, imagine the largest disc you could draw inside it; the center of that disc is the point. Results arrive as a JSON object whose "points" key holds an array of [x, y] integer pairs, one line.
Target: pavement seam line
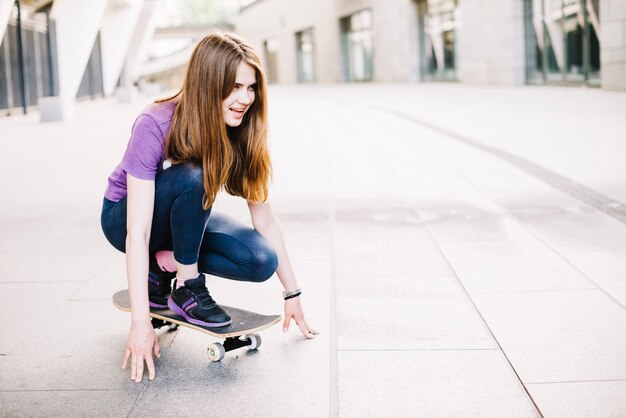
{"points": [[412, 207], [415, 349], [504, 292], [44, 282], [332, 303], [333, 375], [483, 319], [62, 390], [139, 396], [146, 384], [576, 381], [586, 276]]}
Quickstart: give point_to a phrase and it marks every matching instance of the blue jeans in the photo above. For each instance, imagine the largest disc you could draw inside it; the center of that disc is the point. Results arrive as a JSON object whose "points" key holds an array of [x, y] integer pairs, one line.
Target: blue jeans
{"points": [[219, 244]]}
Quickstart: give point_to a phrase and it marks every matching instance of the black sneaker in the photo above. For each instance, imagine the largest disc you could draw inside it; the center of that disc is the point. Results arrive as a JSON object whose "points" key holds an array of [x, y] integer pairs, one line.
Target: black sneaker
{"points": [[194, 303], [159, 285]]}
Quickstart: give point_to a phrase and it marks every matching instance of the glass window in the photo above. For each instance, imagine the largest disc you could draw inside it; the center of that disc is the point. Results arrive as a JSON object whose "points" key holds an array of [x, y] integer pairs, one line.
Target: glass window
{"points": [[561, 40], [438, 21], [358, 46], [270, 48], [305, 56], [534, 29], [592, 57], [26, 78]]}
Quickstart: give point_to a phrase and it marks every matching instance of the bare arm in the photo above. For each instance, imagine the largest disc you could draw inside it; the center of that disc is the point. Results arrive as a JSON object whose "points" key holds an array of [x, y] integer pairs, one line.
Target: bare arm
{"points": [[141, 338], [139, 221], [265, 223]]}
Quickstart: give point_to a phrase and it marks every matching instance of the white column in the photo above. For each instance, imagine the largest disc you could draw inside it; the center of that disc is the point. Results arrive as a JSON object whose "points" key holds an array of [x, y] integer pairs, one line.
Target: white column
{"points": [[393, 49], [491, 42], [138, 50], [76, 27], [613, 44], [116, 33], [5, 13]]}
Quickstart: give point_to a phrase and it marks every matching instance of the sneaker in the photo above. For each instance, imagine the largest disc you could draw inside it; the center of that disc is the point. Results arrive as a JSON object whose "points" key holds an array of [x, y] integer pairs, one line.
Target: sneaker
{"points": [[194, 303], [159, 285]]}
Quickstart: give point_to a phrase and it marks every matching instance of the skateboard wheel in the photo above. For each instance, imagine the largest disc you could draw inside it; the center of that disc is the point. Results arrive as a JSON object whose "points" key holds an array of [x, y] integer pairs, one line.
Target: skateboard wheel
{"points": [[216, 352], [255, 341]]}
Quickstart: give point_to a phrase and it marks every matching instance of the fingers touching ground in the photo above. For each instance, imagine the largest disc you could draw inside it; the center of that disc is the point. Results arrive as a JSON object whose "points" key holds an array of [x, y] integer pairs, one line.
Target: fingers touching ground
{"points": [[141, 345], [293, 310], [137, 367], [306, 330], [137, 363]]}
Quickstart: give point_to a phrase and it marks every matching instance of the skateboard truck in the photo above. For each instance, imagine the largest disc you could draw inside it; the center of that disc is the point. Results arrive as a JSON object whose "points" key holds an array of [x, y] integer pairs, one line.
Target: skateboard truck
{"points": [[158, 323], [216, 351]]}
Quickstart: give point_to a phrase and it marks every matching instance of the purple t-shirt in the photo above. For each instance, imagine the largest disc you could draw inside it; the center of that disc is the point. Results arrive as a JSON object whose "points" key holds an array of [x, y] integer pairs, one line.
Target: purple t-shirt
{"points": [[145, 152]]}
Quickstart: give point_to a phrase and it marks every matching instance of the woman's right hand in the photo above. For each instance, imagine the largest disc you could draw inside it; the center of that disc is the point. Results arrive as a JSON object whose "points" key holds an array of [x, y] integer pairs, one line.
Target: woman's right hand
{"points": [[142, 342]]}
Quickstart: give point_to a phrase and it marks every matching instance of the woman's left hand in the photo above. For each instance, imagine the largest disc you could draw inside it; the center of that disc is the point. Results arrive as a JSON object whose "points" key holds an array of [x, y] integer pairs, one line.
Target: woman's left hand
{"points": [[293, 309]]}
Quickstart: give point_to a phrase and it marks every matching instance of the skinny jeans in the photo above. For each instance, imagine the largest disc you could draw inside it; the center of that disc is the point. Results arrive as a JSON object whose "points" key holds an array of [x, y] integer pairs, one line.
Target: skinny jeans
{"points": [[220, 245]]}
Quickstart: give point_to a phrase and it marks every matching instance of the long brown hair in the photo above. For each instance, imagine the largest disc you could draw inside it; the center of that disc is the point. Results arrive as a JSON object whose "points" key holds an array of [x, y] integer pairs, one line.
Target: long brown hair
{"points": [[234, 158]]}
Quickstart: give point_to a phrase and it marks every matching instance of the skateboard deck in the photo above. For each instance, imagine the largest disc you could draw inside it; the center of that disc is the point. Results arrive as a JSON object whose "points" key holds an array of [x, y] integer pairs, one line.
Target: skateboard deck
{"points": [[240, 333]]}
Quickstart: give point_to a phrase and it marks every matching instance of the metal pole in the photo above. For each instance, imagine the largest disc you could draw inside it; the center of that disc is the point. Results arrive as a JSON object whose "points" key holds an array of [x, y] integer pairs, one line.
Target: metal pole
{"points": [[546, 36], [9, 73], [565, 44], [49, 46], [586, 43], [20, 55]]}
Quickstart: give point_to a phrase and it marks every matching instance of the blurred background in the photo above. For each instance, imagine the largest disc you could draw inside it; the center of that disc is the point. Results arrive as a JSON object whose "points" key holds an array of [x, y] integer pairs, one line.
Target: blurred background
{"points": [[55, 52], [448, 173]]}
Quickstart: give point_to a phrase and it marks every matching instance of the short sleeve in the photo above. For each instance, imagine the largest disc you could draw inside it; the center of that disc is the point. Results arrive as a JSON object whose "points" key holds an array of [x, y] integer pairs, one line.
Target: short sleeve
{"points": [[145, 149]]}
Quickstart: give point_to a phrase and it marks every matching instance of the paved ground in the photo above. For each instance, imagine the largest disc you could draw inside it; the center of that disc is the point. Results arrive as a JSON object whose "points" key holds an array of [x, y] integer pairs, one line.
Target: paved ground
{"points": [[460, 249]]}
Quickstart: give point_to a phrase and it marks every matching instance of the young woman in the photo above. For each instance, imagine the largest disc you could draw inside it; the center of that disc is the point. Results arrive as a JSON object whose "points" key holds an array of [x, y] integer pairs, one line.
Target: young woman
{"points": [[183, 150]]}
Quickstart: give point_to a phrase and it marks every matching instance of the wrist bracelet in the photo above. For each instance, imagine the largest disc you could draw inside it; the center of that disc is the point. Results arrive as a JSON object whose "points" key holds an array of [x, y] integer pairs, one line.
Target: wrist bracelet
{"points": [[288, 293], [292, 296]]}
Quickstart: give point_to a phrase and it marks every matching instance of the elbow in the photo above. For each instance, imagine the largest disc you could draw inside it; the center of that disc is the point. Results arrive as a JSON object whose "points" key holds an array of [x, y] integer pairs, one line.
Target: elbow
{"points": [[263, 224], [263, 218]]}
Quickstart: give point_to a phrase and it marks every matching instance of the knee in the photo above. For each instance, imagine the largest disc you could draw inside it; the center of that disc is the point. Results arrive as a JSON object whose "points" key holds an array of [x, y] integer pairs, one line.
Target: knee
{"points": [[263, 264]]}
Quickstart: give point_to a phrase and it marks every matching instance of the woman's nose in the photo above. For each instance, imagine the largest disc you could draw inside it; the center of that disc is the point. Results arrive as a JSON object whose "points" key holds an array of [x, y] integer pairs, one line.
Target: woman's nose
{"points": [[245, 98]]}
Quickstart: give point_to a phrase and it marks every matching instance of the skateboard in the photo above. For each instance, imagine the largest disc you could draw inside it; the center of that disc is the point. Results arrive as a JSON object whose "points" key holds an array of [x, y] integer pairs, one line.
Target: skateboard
{"points": [[242, 332]]}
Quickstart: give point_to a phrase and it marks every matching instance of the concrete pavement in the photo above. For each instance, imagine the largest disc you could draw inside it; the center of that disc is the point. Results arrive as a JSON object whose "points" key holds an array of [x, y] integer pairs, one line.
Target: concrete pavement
{"points": [[460, 249]]}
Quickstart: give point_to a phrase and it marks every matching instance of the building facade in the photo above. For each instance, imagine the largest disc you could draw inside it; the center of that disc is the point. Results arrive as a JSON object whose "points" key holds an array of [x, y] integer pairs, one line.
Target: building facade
{"points": [[54, 52], [491, 42]]}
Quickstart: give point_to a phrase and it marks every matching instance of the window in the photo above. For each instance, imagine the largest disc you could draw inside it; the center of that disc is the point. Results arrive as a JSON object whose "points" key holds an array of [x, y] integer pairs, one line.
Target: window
{"points": [[562, 42], [358, 46], [305, 56], [26, 60], [438, 23], [270, 48]]}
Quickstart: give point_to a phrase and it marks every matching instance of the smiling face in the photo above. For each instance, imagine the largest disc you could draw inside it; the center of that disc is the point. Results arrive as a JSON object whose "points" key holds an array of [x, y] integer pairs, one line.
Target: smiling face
{"points": [[240, 99]]}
